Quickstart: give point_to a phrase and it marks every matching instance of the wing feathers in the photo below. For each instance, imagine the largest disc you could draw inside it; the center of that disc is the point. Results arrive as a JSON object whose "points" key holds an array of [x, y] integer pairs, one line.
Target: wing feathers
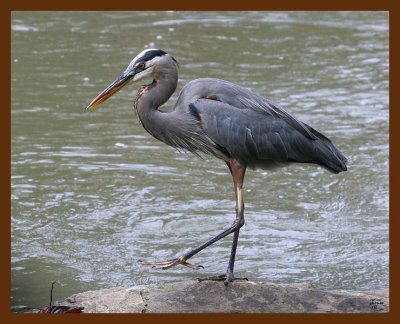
{"points": [[258, 137]]}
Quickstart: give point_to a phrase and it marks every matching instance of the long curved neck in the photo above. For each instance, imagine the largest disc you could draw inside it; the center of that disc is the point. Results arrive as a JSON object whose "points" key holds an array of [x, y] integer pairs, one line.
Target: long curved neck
{"points": [[150, 97]]}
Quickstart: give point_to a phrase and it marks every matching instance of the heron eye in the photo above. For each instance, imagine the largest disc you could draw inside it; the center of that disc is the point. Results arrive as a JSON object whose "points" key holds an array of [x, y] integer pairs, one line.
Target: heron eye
{"points": [[142, 66]]}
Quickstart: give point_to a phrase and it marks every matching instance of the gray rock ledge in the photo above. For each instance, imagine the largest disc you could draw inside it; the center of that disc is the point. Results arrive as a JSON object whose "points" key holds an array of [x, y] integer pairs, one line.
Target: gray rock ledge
{"points": [[237, 297]]}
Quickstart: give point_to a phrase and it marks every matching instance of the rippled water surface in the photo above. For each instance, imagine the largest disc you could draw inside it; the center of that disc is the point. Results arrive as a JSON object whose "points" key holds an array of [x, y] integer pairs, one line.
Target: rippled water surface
{"points": [[93, 193]]}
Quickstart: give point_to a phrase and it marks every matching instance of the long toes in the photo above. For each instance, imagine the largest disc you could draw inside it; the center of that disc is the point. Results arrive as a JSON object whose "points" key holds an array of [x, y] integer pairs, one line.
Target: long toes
{"points": [[171, 263], [161, 264], [213, 278], [226, 278]]}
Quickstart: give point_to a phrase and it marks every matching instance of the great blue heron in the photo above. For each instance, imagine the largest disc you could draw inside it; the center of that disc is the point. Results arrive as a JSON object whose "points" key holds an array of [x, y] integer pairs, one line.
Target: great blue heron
{"points": [[221, 118]]}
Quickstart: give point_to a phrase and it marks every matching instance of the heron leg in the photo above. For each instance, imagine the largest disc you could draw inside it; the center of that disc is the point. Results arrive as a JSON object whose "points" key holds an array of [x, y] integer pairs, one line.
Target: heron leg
{"points": [[237, 171]]}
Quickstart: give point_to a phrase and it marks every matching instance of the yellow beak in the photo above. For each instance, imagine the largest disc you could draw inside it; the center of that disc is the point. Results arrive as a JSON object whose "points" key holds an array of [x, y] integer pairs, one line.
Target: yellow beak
{"points": [[113, 88]]}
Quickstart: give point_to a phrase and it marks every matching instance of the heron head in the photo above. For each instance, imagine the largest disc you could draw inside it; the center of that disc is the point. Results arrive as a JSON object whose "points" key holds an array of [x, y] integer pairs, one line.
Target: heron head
{"points": [[143, 65]]}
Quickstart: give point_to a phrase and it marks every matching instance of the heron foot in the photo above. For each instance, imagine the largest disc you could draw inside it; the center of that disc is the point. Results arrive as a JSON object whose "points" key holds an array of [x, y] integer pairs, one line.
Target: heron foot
{"points": [[226, 278], [171, 263]]}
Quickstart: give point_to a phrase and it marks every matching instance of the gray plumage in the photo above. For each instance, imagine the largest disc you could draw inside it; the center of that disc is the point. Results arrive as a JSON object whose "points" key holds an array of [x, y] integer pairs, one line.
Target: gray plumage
{"points": [[217, 117]]}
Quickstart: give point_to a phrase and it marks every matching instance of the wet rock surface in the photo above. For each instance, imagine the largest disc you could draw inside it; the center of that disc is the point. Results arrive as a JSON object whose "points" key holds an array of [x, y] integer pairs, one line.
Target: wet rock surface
{"points": [[237, 297]]}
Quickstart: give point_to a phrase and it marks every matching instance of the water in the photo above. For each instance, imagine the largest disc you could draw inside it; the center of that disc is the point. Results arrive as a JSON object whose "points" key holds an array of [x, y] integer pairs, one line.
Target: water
{"points": [[93, 193]]}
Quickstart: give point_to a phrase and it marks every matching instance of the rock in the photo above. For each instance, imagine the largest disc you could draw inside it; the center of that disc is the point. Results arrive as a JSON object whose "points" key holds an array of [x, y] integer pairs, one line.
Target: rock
{"points": [[237, 297]]}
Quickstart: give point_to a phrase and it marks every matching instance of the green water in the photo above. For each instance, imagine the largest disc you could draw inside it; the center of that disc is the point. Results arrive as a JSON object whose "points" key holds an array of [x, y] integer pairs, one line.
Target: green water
{"points": [[93, 193]]}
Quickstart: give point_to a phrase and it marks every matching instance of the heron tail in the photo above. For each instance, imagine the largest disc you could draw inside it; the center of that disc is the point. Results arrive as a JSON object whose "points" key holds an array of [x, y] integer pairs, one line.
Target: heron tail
{"points": [[327, 154]]}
